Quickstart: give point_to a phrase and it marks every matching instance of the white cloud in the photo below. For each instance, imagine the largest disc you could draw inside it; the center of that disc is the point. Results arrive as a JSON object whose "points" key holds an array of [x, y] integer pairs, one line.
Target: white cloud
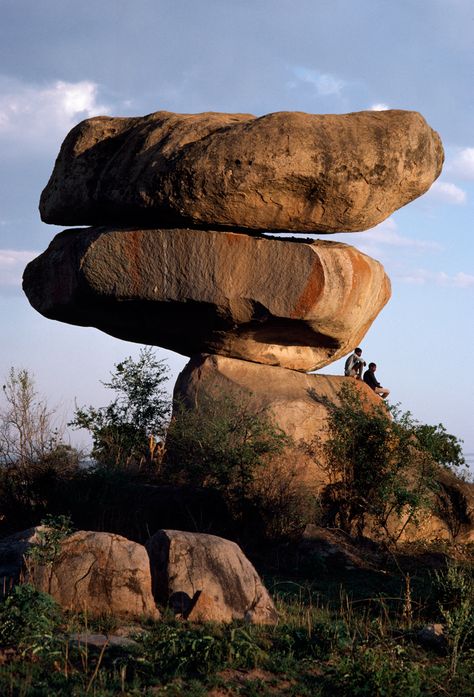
{"points": [[447, 192], [440, 278], [38, 117], [12, 265], [325, 84], [380, 106], [462, 164], [385, 236]]}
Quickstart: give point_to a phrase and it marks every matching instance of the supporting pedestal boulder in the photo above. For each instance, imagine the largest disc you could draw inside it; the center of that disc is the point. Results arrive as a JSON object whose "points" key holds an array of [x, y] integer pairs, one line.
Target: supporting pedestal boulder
{"points": [[295, 400]]}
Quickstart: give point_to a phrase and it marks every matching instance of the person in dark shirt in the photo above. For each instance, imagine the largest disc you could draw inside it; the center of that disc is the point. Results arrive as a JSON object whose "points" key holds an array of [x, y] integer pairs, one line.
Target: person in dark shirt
{"points": [[371, 380]]}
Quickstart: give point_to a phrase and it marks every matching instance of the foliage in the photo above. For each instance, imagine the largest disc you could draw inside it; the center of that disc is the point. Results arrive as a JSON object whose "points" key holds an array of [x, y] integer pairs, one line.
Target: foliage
{"points": [[445, 448], [55, 530], [28, 619], [30, 440], [372, 672], [125, 433], [222, 443], [378, 467], [455, 591]]}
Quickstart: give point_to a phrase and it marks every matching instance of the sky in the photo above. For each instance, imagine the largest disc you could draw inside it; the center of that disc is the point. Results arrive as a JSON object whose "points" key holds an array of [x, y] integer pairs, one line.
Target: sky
{"points": [[62, 61]]}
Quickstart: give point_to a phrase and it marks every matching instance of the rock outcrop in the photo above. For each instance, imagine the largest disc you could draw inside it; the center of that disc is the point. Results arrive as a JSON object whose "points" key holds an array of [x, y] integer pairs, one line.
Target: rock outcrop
{"points": [[283, 171], [208, 579], [98, 573], [299, 305]]}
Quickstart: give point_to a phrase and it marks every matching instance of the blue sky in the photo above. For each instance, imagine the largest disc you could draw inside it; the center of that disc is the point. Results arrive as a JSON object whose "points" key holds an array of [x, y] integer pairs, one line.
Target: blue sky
{"points": [[62, 61]]}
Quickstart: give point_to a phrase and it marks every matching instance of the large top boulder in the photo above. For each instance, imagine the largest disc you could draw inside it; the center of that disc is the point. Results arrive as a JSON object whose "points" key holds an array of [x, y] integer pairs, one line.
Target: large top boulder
{"points": [[273, 301], [283, 171]]}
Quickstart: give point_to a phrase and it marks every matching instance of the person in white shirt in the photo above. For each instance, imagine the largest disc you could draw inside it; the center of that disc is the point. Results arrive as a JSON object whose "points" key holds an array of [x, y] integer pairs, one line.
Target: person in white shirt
{"points": [[354, 365]]}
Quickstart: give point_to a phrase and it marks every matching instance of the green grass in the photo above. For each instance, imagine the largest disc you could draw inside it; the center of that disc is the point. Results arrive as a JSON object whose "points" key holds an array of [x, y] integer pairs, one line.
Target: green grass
{"points": [[347, 635]]}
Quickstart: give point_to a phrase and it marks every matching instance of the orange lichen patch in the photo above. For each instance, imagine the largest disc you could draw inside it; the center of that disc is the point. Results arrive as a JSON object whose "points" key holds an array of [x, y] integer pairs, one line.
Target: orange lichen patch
{"points": [[312, 291]]}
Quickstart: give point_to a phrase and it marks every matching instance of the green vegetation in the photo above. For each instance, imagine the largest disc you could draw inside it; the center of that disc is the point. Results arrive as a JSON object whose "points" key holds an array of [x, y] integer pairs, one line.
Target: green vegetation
{"points": [[126, 432], [342, 631], [231, 445], [382, 464], [336, 635]]}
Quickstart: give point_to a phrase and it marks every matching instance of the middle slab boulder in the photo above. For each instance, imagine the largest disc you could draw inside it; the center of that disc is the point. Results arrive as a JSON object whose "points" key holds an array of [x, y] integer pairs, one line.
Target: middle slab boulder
{"points": [[298, 305]]}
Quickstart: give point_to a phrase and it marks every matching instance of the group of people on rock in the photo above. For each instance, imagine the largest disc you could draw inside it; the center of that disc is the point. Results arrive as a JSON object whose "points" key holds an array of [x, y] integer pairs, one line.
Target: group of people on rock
{"points": [[354, 367]]}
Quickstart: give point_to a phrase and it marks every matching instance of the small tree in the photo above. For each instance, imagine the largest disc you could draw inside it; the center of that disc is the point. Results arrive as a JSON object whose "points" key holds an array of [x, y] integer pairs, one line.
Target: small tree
{"points": [[30, 438], [381, 465], [126, 432]]}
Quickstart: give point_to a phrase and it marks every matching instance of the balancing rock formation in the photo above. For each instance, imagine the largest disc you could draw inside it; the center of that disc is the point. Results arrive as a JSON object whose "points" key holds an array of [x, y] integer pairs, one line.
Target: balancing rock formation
{"points": [[182, 257]]}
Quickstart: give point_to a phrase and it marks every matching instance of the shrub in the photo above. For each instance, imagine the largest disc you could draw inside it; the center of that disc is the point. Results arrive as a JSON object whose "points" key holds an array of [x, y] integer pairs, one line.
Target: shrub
{"points": [[454, 588], [225, 443], [378, 467], [29, 619]]}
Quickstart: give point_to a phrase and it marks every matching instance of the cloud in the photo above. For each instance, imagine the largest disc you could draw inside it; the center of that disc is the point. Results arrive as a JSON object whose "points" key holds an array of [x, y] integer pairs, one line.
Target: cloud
{"points": [[385, 236], [462, 164], [12, 265], [446, 192], [38, 117], [325, 84], [380, 106], [440, 278]]}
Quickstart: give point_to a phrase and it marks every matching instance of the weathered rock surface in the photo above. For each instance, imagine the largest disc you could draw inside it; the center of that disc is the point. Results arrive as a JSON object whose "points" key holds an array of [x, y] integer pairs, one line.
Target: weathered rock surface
{"points": [[208, 579], [295, 400], [300, 305], [99, 573], [283, 171]]}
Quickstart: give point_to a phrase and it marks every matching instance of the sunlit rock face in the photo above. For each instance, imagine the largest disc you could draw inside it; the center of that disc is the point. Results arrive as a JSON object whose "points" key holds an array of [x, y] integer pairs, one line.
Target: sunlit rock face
{"points": [[98, 573], [299, 305], [205, 578], [283, 171], [296, 402]]}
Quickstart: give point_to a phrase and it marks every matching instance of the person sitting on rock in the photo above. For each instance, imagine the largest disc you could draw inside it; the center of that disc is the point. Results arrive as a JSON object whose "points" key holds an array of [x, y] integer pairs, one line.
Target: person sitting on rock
{"points": [[371, 380], [354, 364]]}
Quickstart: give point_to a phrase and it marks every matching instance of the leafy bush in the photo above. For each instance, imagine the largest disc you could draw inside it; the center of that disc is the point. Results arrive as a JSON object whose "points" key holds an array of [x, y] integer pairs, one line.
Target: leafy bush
{"points": [[381, 467], [228, 443], [126, 433], [372, 673], [48, 546], [454, 588], [29, 619]]}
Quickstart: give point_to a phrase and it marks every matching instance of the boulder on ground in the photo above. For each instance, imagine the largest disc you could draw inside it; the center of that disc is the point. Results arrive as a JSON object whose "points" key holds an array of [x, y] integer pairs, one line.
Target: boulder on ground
{"points": [[283, 171], [300, 305], [99, 573], [208, 579], [12, 554]]}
